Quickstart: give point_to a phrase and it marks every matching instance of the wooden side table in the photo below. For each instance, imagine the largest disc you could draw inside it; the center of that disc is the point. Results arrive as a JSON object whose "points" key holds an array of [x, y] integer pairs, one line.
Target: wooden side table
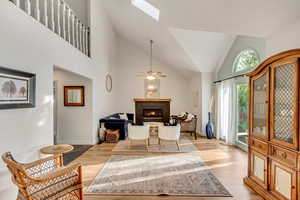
{"points": [[57, 149]]}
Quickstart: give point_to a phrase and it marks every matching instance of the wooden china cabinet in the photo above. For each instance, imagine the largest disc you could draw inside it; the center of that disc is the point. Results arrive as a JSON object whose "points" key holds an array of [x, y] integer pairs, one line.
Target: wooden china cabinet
{"points": [[274, 153]]}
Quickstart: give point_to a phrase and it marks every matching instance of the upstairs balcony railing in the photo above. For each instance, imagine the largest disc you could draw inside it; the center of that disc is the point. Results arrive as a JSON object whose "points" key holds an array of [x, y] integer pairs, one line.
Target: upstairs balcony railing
{"points": [[58, 16]]}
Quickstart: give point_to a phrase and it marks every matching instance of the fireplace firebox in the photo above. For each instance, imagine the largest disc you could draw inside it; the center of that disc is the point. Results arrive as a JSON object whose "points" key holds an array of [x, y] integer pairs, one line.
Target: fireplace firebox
{"points": [[152, 113], [152, 110]]}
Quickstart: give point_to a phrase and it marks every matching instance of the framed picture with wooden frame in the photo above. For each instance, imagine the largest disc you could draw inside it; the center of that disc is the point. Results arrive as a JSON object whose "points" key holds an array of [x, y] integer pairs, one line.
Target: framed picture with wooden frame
{"points": [[74, 96]]}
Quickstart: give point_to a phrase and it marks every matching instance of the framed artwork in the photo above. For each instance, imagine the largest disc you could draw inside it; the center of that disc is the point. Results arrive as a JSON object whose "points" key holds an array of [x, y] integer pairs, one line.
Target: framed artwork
{"points": [[108, 83], [17, 89], [74, 95]]}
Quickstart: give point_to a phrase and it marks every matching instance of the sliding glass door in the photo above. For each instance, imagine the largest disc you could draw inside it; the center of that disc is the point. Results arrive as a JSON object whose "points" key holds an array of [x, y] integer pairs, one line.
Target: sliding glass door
{"points": [[242, 115]]}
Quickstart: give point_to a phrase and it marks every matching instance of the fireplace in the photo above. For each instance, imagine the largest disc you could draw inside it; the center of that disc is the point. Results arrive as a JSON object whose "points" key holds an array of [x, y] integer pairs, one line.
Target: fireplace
{"points": [[152, 113], [152, 110]]}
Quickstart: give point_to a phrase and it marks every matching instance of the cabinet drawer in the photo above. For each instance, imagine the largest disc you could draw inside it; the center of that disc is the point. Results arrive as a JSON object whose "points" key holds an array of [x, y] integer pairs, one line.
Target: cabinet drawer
{"points": [[260, 146], [285, 156]]}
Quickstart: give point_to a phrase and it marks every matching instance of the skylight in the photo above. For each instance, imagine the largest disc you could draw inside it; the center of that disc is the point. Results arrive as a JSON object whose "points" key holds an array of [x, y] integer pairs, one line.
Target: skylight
{"points": [[146, 8]]}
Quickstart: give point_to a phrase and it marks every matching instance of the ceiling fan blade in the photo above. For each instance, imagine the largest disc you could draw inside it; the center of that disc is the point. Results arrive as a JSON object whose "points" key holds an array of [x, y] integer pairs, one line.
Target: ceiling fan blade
{"points": [[159, 74], [155, 73]]}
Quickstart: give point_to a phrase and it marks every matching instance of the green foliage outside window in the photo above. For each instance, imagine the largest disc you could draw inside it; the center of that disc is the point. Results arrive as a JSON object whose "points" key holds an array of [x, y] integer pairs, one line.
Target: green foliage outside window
{"points": [[247, 59], [242, 91]]}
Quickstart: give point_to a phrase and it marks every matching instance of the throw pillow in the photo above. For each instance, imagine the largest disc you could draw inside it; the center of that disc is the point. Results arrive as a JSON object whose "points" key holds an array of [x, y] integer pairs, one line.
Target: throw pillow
{"points": [[109, 131], [189, 118], [102, 132], [112, 136], [123, 116], [182, 114]]}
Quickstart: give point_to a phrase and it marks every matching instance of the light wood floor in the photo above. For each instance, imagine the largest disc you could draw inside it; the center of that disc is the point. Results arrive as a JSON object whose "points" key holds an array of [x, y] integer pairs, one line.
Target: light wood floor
{"points": [[228, 164]]}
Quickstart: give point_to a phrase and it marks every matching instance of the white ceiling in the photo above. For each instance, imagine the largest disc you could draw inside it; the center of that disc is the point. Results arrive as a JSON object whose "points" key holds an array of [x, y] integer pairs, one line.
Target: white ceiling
{"points": [[206, 49], [195, 35]]}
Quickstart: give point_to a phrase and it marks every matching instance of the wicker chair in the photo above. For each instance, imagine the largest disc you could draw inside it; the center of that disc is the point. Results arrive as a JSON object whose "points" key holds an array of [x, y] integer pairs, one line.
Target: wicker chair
{"points": [[45, 179]]}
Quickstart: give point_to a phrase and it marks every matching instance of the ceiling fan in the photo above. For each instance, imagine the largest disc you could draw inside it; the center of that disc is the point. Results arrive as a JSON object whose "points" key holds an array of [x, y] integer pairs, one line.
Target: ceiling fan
{"points": [[151, 75]]}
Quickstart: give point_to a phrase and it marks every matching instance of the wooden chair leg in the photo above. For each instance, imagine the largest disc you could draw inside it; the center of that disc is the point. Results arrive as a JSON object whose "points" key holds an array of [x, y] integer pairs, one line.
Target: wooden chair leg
{"points": [[81, 194], [178, 145], [195, 135], [129, 143], [80, 178], [159, 143], [147, 145]]}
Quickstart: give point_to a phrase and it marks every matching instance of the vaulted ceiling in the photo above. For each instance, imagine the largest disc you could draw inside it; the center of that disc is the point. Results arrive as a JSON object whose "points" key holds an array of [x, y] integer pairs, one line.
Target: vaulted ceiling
{"points": [[196, 35]]}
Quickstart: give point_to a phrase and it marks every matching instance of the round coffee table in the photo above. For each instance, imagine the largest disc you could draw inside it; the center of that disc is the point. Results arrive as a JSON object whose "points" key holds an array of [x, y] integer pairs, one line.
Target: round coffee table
{"points": [[57, 149]]}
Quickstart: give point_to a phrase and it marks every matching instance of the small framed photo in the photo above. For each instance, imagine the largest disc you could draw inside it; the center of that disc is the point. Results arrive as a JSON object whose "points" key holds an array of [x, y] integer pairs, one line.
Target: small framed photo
{"points": [[74, 95], [17, 89]]}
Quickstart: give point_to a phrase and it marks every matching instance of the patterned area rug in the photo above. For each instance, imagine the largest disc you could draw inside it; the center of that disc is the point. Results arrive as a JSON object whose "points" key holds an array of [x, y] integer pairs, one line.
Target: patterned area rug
{"points": [[139, 146], [178, 174]]}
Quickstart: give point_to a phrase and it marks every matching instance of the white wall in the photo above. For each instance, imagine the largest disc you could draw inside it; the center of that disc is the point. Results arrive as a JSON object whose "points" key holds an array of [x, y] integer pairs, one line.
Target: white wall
{"points": [[27, 45], [80, 7], [195, 95], [201, 91], [71, 127], [286, 38], [131, 60], [207, 79], [103, 45]]}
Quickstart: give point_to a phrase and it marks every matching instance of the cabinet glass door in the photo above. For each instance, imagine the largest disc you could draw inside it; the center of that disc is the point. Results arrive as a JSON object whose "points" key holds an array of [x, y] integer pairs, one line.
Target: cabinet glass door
{"points": [[260, 91], [284, 104]]}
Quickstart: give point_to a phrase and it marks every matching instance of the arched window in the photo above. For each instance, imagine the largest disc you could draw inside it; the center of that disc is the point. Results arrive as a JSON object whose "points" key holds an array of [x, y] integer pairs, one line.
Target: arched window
{"points": [[246, 60]]}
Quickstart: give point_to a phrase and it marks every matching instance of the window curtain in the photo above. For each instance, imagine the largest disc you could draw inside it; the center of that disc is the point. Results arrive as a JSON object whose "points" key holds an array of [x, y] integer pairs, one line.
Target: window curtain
{"points": [[226, 111]]}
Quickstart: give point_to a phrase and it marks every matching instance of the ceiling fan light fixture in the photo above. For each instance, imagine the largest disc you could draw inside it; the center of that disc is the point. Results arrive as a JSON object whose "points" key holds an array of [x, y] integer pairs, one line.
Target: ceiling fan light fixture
{"points": [[151, 87], [151, 77]]}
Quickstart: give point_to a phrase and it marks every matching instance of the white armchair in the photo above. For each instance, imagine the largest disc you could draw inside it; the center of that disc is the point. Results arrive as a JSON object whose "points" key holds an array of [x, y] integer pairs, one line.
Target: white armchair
{"points": [[169, 133], [138, 133]]}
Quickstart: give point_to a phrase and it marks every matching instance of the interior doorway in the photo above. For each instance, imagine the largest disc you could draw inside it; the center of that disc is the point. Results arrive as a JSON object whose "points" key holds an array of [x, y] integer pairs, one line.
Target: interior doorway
{"points": [[72, 124]]}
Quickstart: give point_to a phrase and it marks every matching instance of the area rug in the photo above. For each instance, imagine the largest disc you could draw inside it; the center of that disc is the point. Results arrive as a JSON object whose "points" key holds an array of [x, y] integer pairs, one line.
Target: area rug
{"points": [[75, 153], [183, 175], [186, 145]]}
